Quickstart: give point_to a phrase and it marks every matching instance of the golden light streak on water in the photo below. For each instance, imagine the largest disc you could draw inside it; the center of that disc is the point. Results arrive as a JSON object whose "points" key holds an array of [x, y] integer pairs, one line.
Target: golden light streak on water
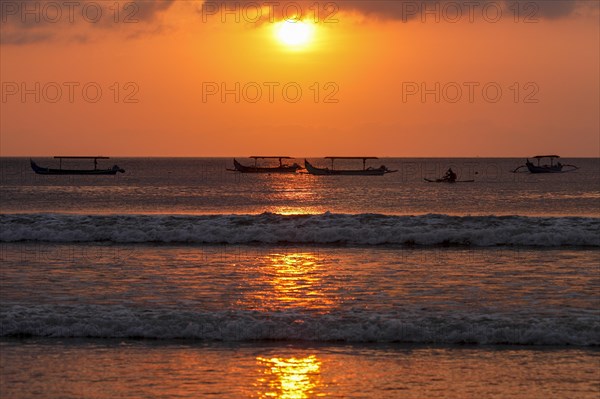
{"points": [[289, 378]]}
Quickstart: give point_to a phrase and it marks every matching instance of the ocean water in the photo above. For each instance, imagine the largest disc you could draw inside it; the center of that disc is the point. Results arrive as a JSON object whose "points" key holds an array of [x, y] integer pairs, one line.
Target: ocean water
{"points": [[181, 279]]}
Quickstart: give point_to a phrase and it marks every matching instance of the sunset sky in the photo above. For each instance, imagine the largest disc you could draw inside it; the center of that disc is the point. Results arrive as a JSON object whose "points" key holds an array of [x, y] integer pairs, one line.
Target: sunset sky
{"points": [[501, 78]]}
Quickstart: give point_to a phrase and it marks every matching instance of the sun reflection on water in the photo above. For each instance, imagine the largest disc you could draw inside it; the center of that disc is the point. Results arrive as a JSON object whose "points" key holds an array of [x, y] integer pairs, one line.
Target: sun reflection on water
{"points": [[295, 281], [289, 378], [296, 210]]}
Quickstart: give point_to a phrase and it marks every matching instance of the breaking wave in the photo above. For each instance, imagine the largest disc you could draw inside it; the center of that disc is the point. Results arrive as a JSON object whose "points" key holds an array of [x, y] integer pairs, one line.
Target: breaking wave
{"points": [[327, 228], [101, 321]]}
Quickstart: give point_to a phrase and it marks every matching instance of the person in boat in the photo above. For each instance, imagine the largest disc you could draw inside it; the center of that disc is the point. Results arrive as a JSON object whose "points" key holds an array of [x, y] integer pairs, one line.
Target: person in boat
{"points": [[450, 176]]}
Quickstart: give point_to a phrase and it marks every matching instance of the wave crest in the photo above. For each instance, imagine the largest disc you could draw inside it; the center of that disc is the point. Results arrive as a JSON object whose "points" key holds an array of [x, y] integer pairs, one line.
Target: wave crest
{"points": [[327, 228], [95, 321]]}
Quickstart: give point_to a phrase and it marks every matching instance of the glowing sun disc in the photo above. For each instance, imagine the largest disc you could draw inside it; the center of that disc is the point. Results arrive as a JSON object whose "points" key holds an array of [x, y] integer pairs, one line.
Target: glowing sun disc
{"points": [[294, 33]]}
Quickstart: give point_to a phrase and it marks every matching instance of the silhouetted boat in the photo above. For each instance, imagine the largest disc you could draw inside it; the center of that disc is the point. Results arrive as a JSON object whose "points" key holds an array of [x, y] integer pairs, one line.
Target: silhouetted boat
{"points": [[382, 170], [551, 168], [265, 169], [448, 181], [60, 171]]}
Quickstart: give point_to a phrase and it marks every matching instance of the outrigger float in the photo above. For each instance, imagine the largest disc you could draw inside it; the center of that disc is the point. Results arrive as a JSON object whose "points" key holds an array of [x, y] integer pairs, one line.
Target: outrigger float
{"points": [[545, 168], [262, 169], [60, 171], [382, 170]]}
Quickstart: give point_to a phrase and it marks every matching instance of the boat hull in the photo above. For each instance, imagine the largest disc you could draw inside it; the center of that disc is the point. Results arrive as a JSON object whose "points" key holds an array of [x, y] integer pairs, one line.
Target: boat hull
{"points": [[332, 172], [87, 172], [448, 181], [543, 169], [255, 169]]}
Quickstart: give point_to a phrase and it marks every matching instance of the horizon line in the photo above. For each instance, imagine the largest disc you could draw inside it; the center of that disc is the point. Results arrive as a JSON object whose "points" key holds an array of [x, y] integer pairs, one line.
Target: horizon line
{"points": [[292, 157]]}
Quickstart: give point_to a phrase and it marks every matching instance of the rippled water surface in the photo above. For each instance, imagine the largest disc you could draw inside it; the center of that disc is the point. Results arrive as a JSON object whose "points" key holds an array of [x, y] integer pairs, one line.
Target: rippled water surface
{"points": [[204, 186], [180, 279], [97, 369]]}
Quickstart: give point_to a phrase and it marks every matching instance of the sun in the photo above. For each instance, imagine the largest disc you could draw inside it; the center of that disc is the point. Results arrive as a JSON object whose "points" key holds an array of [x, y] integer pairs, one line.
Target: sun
{"points": [[294, 33]]}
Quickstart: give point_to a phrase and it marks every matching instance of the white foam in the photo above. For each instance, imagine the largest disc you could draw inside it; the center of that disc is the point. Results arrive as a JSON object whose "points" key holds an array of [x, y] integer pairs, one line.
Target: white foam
{"points": [[451, 328], [327, 228]]}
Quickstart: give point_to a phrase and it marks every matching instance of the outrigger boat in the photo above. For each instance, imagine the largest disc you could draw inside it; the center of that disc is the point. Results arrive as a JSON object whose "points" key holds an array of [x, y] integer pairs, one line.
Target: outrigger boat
{"points": [[448, 181], [382, 170], [60, 171], [449, 177], [552, 168], [262, 169]]}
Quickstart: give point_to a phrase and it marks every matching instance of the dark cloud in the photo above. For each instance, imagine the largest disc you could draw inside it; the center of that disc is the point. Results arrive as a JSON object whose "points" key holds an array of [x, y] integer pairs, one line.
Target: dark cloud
{"points": [[20, 25], [27, 21], [406, 10], [147, 10], [20, 38]]}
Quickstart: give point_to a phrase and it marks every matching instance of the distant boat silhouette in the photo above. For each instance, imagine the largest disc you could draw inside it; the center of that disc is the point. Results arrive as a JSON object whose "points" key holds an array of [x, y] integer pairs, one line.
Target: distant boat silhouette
{"points": [[449, 177], [448, 181], [60, 171], [265, 169], [552, 168], [382, 170]]}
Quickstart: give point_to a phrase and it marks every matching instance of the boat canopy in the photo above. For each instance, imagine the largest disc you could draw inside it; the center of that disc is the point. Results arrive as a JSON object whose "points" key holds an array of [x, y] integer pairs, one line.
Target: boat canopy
{"points": [[551, 157], [80, 157], [364, 159], [257, 157]]}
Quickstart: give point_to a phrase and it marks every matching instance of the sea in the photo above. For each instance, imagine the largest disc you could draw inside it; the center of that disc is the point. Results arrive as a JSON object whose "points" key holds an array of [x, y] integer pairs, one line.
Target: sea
{"points": [[181, 279]]}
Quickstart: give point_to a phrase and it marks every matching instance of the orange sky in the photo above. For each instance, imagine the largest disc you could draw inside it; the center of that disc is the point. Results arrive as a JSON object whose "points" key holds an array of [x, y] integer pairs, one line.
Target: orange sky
{"points": [[369, 60]]}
